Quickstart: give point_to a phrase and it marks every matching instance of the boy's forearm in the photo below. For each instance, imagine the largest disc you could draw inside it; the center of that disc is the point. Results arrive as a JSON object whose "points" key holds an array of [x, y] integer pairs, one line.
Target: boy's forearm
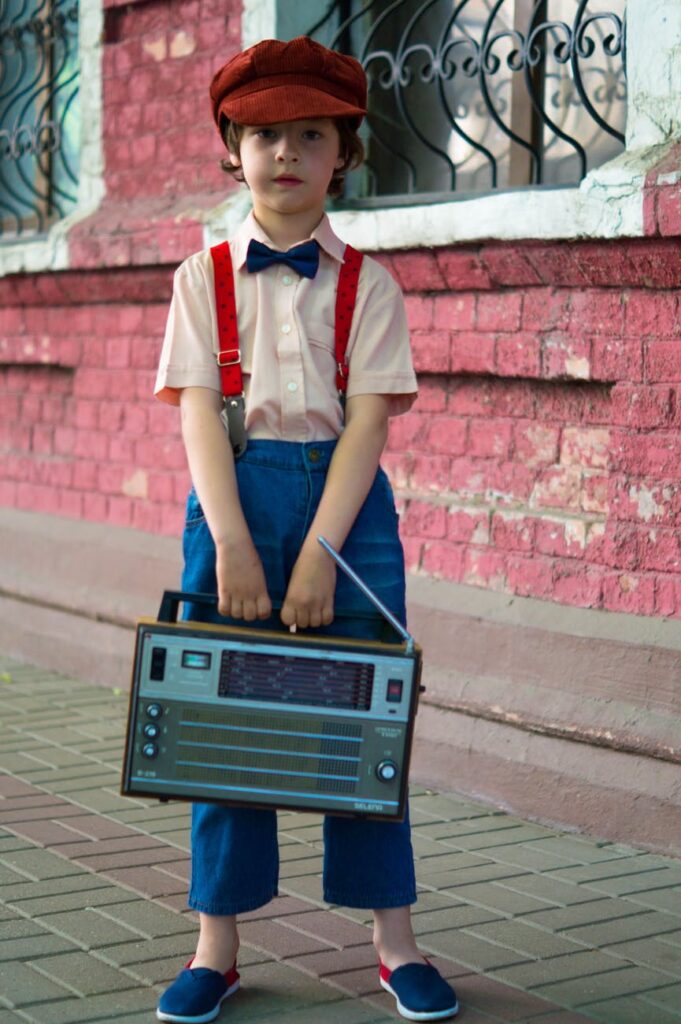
{"points": [[351, 473], [211, 464]]}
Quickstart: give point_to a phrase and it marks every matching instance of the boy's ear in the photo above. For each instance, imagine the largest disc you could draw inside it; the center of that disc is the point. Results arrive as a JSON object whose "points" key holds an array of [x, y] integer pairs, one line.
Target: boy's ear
{"points": [[234, 159]]}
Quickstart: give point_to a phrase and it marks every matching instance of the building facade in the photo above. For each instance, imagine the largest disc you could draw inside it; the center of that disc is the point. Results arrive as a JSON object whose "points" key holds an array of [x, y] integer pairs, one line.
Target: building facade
{"points": [[537, 475]]}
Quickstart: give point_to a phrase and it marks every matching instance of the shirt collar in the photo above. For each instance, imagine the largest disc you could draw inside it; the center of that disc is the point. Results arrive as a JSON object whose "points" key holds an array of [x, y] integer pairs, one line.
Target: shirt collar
{"points": [[323, 234]]}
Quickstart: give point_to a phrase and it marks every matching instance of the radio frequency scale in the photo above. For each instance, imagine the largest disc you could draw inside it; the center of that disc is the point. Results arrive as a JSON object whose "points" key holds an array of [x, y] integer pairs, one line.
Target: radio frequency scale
{"points": [[271, 719]]}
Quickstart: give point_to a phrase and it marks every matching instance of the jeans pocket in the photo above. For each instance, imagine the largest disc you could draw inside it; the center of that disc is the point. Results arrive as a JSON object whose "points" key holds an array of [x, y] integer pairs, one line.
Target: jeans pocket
{"points": [[194, 513]]}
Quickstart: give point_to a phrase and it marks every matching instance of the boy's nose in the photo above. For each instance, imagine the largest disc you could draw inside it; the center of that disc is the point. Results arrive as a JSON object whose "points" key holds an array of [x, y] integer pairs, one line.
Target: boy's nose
{"points": [[286, 150]]}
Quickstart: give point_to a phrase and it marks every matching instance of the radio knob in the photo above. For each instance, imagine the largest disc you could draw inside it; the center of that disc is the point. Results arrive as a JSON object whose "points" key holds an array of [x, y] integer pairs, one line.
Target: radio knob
{"points": [[154, 710], [149, 750], [151, 730], [386, 771]]}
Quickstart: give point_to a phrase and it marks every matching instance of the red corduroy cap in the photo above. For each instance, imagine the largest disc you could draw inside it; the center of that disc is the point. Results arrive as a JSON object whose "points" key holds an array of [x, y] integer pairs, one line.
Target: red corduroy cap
{"points": [[276, 81]]}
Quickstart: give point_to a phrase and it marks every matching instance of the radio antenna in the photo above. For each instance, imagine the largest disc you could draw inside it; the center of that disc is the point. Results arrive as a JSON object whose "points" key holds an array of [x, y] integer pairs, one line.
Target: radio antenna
{"points": [[368, 592]]}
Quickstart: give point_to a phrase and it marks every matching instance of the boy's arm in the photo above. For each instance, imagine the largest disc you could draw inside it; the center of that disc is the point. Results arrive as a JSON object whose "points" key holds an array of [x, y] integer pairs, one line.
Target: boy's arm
{"points": [[242, 590], [309, 598]]}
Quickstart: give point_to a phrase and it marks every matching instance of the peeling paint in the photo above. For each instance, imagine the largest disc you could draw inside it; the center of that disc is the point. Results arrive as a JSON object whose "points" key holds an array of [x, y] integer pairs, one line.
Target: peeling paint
{"points": [[578, 367], [136, 486], [182, 44], [646, 505], [156, 48]]}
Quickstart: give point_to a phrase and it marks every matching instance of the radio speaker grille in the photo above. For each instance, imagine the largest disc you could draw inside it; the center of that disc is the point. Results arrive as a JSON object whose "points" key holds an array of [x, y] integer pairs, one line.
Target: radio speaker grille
{"points": [[290, 679], [282, 752]]}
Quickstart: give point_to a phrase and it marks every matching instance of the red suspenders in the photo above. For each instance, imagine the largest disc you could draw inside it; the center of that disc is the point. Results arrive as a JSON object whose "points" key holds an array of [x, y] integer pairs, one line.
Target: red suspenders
{"points": [[229, 356]]}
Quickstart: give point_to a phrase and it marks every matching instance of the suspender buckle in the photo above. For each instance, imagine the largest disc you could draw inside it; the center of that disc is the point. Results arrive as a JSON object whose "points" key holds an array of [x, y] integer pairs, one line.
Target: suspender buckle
{"points": [[224, 358], [343, 370]]}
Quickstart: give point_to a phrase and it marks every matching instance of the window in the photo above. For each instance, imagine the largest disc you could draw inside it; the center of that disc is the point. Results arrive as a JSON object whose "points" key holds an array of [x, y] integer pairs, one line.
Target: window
{"points": [[475, 95], [39, 114]]}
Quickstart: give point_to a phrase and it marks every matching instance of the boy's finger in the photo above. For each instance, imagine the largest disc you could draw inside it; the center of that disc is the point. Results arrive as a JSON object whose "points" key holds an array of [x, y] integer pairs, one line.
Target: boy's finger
{"points": [[264, 606]]}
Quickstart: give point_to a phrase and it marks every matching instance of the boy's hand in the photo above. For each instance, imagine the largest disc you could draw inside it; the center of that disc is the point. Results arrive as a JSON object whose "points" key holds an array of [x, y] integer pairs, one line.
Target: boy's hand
{"points": [[242, 590], [309, 598]]}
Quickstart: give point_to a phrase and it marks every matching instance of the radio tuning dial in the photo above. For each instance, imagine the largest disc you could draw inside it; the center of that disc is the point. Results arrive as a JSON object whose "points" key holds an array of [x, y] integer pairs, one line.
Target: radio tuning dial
{"points": [[151, 730], [149, 750], [386, 771], [154, 710]]}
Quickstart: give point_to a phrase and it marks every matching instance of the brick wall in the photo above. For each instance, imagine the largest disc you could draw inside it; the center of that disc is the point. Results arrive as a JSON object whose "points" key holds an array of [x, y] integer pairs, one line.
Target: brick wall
{"points": [[542, 457]]}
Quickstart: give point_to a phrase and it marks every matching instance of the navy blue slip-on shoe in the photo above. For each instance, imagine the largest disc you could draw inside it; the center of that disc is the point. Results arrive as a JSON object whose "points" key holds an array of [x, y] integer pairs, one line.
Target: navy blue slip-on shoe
{"points": [[196, 995], [420, 991]]}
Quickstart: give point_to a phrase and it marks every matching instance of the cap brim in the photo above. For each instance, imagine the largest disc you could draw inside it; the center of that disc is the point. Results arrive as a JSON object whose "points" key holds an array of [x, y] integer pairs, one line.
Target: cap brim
{"points": [[277, 104]]}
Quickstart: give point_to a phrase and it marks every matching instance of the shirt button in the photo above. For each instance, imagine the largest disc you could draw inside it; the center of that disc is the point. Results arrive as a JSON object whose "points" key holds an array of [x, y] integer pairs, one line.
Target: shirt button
{"points": [[292, 386], [286, 279], [285, 328]]}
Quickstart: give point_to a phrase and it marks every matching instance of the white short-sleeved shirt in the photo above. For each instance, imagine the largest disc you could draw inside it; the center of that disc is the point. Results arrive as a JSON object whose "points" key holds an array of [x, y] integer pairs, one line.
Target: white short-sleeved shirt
{"points": [[286, 336]]}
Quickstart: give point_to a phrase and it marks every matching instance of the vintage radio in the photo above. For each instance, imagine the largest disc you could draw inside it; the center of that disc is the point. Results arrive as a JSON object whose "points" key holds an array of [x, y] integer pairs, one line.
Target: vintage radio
{"points": [[271, 719]]}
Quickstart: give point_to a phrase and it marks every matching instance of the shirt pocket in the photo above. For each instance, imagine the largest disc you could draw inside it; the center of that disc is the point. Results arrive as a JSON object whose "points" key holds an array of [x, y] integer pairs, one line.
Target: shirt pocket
{"points": [[322, 349]]}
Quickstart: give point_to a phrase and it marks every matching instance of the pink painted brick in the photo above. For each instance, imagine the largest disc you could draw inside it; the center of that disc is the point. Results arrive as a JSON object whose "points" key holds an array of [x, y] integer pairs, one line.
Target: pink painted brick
{"points": [[595, 493], [536, 444], [454, 312], [667, 595], [489, 439], [669, 211], [419, 312], [546, 309], [413, 553], [502, 398], [443, 560], [642, 406], [499, 311], [617, 359], [484, 568], [430, 351], [446, 435], [407, 432], [649, 312], [117, 354], [398, 466], [418, 271], [423, 519], [660, 549], [518, 355], [663, 361], [564, 538], [432, 396], [95, 507], [119, 510], [70, 503], [468, 526], [566, 356], [529, 576], [462, 269], [507, 264], [578, 584], [558, 488], [512, 531], [588, 447], [629, 592], [172, 520], [471, 352], [594, 311], [430, 472]]}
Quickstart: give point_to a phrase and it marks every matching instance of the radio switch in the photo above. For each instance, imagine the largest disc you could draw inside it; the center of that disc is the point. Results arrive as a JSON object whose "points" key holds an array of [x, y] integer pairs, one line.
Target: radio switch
{"points": [[150, 750], [154, 710], [158, 664], [386, 771], [394, 694], [152, 731]]}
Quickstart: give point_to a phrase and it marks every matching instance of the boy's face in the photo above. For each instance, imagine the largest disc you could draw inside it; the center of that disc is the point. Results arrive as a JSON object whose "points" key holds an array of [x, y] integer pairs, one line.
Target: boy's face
{"points": [[288, 166]]}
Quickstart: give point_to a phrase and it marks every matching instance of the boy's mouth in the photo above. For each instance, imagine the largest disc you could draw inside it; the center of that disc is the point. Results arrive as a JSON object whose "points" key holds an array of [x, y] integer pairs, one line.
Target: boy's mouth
{"points": [[288, 179]]}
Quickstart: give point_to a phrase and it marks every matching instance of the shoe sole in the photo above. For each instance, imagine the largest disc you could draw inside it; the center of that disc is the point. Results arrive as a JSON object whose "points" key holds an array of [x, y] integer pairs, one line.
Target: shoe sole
{"points": [[413, 1014], [205, 1017]]}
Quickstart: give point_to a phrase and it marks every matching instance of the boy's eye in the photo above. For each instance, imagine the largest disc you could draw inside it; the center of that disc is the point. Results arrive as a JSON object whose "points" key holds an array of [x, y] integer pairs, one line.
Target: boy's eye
{"points": [[312, 133], [266, 133]]}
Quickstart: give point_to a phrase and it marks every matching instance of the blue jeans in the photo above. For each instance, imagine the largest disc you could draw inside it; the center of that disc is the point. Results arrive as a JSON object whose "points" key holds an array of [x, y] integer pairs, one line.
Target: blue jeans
{"points": [[235, 856]]}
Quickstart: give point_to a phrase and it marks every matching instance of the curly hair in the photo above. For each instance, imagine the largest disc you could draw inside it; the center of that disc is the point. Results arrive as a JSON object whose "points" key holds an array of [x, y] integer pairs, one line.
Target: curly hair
{"points": [[351, 149]]}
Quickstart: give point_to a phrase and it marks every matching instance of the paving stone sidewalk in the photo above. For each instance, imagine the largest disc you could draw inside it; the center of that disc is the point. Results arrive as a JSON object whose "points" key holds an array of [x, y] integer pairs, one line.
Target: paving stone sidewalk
{"points": [[534, 926]]}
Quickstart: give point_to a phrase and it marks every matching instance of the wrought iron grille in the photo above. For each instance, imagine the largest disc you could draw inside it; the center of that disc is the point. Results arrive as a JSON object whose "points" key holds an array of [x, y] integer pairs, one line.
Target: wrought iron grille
{"points": [[39, 113], [472, 95]]}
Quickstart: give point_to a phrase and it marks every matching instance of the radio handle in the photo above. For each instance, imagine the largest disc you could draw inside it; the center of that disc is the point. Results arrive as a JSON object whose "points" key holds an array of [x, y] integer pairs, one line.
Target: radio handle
{"points": [[172, 599]]}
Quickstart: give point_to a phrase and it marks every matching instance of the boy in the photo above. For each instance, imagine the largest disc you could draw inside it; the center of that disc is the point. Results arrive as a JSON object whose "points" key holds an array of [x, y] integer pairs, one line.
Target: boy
{"points": [[288, 113]]}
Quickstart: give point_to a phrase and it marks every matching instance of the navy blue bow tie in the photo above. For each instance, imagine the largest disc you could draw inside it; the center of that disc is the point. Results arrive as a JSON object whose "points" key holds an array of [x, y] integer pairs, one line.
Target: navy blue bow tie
{"points": [[304, 259]]}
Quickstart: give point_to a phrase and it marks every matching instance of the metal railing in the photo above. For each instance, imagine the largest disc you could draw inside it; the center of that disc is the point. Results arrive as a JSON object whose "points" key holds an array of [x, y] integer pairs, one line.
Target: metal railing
{"points": [[471, 95], [39, 114]]}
